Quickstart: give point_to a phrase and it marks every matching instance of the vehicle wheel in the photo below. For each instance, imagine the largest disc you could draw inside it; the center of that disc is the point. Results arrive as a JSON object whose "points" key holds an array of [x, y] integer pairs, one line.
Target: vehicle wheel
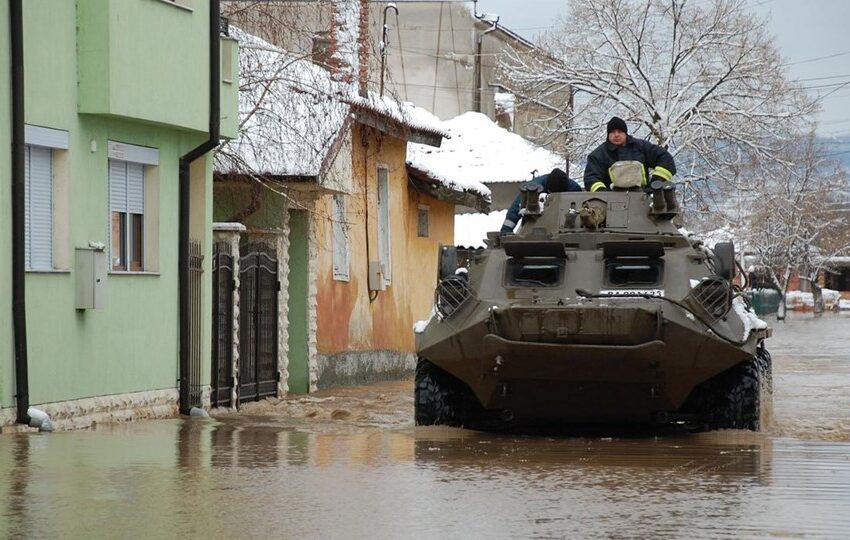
{"points": [[764, 363], [738, 402], [442, 399], [436, 397], [732, 399]]}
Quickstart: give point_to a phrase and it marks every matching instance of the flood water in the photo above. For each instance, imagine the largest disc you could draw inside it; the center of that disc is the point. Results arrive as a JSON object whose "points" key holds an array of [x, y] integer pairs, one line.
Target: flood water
{"points": [[350, 464]]}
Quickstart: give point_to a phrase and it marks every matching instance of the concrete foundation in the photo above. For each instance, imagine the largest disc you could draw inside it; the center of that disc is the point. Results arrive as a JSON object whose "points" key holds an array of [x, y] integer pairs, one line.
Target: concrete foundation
{"points": [[364, 367], [84, 413]]}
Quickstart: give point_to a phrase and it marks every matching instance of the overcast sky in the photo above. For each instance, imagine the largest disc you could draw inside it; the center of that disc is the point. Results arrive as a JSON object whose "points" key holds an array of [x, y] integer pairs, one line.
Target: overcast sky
{"points": [[806, 31]]}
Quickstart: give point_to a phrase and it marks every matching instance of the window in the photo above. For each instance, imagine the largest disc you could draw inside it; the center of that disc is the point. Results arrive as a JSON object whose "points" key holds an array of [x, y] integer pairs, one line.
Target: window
{"points": [[38, 208], [340, 238], [534, 272], [627, 271], [46, 212], [384, 223], [422, 221], [126, 215]]}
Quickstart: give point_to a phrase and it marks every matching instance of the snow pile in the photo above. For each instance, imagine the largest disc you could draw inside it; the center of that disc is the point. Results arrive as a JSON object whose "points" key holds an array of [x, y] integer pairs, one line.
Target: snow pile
{"points": [[748, 316], [798, 300], [471, 229], [844, 304], [480, 152], [419, 326], [290, 113]]}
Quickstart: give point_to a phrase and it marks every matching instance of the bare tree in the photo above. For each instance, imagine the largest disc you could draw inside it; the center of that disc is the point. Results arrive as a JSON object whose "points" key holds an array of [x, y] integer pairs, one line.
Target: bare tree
{"points": [[701, 78], [797, 222]]}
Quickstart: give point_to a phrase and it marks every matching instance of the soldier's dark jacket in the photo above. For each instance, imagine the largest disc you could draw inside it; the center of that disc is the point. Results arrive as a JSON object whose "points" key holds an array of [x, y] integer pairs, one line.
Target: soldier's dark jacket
{"points": [[512, 217], [596, 175]]}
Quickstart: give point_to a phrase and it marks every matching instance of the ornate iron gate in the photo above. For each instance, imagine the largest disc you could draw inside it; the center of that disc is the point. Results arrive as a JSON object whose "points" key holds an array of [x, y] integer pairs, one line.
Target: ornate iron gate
{"points": [[196, 271], [258, 321], [222, 326]]}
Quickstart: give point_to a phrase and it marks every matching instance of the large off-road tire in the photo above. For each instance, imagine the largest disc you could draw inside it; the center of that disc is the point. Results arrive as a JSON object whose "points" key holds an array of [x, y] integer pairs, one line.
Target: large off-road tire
{"points": [[440, 398], [764, 363], [733, 399], [738, 402]]}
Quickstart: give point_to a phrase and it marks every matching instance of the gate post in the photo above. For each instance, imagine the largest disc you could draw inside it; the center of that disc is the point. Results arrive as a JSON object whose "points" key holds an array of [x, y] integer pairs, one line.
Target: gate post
{"points": [[232, 234]]}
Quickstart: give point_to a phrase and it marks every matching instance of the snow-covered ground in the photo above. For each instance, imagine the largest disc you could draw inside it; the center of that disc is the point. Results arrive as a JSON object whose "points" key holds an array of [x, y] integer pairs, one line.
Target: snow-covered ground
{"points": [[798, 300]]}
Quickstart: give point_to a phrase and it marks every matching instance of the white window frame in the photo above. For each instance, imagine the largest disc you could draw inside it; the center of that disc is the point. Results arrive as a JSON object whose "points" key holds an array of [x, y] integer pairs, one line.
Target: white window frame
{"points": [[33, 260], [341, 240], [140, 157], [50, 140], [384, 229]]}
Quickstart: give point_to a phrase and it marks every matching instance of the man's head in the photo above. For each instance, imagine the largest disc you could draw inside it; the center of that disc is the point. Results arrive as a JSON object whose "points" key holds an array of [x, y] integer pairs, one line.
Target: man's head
{"points": [[557, 182], [617, 131]]}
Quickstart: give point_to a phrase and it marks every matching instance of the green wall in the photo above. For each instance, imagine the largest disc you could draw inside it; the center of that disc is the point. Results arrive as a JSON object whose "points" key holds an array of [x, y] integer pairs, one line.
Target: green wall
{"points": [[233, 197], [156, 85], [122, 39]]}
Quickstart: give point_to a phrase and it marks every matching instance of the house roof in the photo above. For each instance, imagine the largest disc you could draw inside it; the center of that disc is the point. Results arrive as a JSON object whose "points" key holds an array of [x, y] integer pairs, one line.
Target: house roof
{"points": [[478, 153], [471, 229], [292, 114], [411, 122]]}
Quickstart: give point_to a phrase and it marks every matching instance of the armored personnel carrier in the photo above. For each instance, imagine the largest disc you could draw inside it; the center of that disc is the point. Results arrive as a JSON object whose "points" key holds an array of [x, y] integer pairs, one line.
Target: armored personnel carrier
{"points": [[600, 310]]}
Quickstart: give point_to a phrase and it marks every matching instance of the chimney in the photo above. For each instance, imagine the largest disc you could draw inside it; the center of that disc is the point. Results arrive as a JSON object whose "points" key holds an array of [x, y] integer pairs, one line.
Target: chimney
{"points": [[363, 49], [341, 51]]}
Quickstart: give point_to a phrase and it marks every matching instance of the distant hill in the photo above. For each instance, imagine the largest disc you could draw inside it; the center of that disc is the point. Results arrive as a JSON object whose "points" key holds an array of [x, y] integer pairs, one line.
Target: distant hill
{"points": [[838, 147]]}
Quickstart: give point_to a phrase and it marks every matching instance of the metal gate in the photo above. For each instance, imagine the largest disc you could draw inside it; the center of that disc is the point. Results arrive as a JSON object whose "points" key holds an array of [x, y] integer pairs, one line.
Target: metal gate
{"points": [[258, 321], [222, 327], [196, 271]]}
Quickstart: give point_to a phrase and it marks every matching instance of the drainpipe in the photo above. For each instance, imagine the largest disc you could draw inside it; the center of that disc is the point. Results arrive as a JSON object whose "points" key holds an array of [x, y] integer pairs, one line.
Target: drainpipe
{"points": [[183, 234], [478, 70], [19, 312]]}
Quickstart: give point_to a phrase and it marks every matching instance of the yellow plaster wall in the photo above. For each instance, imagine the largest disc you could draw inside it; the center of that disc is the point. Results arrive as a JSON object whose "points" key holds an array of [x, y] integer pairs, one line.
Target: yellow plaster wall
{"points": [[347, 320]]}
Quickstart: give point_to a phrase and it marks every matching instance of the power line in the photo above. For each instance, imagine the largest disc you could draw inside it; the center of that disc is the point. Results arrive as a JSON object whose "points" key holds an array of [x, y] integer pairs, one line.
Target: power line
{"points": [[817, 58]]}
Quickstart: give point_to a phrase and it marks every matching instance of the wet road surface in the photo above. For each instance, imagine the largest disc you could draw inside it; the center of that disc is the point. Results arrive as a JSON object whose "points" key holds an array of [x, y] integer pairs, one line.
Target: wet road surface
{"points": [[349, 463]]}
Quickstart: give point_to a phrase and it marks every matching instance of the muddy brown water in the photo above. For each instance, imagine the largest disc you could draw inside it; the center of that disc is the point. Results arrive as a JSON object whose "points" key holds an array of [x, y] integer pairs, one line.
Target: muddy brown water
{"points": [[350, 464]]}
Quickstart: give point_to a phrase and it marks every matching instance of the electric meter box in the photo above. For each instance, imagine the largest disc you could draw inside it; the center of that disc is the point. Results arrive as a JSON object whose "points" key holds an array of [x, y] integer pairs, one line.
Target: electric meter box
{"points": [[90, 271]]}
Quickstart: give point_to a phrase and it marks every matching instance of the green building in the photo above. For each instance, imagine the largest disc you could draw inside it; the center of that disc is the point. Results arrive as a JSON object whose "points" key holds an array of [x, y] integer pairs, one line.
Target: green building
{"points": [[116, 92]]}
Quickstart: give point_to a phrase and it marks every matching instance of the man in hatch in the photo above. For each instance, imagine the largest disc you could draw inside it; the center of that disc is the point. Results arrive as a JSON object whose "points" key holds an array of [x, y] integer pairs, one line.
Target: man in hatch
{"points": [[623, 155], [556, 181]]}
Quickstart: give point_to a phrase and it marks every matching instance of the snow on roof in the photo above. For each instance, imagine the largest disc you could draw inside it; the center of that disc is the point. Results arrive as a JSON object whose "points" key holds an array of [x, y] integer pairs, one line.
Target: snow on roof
{"points": [[291, 112], [480, 152], [406, 114], [472, 229]]}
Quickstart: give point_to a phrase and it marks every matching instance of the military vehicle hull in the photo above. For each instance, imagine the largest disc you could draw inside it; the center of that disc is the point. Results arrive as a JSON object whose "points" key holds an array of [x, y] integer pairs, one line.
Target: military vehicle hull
{"points": [[561, 324]]}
